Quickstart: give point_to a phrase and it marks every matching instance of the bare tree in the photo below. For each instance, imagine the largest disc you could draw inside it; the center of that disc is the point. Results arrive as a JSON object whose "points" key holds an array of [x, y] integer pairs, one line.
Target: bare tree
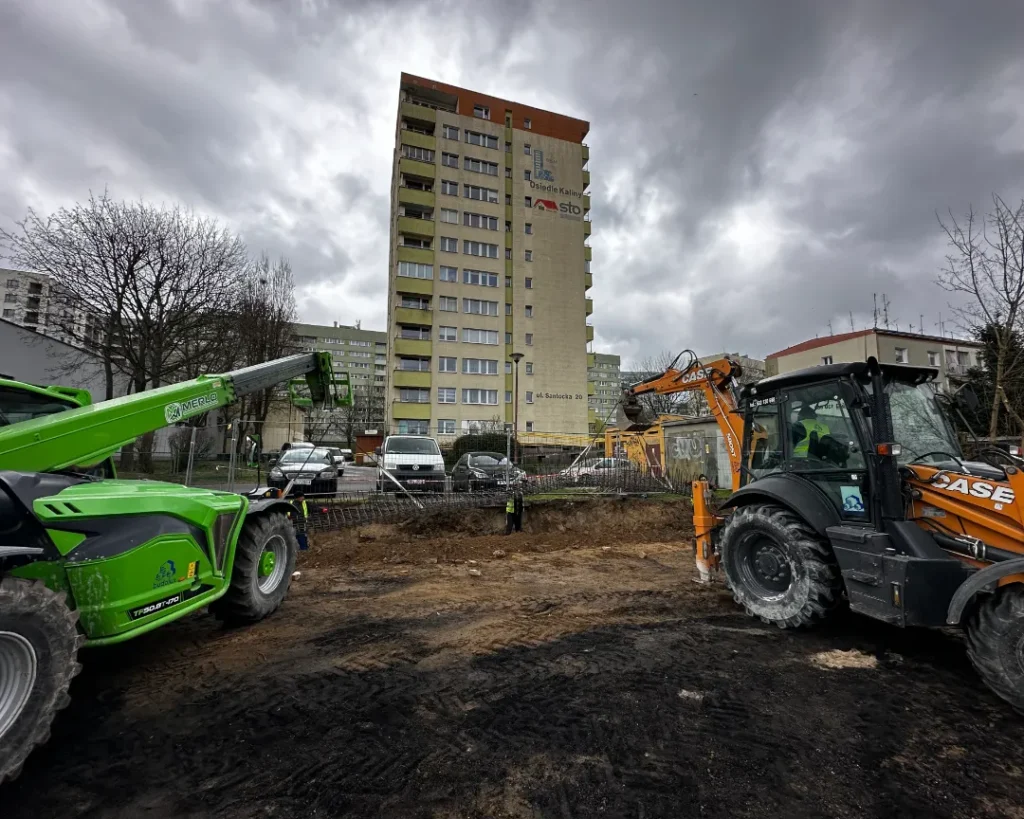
{"points": [[985, 264], [657, 405]]}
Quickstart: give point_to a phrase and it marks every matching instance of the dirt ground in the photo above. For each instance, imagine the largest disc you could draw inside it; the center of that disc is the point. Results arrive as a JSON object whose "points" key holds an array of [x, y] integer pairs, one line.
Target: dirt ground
{"points": [[418, 671]]}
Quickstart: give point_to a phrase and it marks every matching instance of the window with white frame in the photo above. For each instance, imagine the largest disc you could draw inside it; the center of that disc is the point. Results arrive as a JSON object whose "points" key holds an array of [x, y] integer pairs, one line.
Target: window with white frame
{"points": [[508, 309], [413, 395], [448, 304], [480, 307], [481, 111], [446, 395], [529, 255], [449, 132], [475, 396], [479, 366], [826, 359], [529, 426], [479, 277], [413, 270], [416, 333], [508, 396], [508, 281], [447, 364], [529, 339], [933, 358], [483, 140], [415, 241], [529, 397], [415, 365], [449, 244], [528, 201], [445, 333], [445, 426], [901, 355], [449, 216], [417, 153], [413, 426], [479, 249], [508, 367], [449, 274], [471, 335], [415, 302], [480, 194], [450, 160], [449, 188], [529, 311], [529, 283], [529, 228], [526, 175], [527, 123], [529, 368], [480, 220], [526, 148], [470, 163]]}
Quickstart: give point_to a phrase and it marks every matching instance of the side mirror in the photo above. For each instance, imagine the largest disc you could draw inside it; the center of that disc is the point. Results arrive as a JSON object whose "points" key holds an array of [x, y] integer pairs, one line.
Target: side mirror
{"points": [[377, 452]]}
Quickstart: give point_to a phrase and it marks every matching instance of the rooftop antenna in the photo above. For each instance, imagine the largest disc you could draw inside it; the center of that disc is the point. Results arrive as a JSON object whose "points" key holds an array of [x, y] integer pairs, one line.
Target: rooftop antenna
{"points": [[852, 329], [830, 328], [885, 311], [920, 325]]}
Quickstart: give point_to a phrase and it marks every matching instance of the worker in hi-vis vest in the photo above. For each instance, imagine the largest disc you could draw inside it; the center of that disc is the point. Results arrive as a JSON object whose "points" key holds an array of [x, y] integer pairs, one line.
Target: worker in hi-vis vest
{"points": [[302, 524], [808, 422]]}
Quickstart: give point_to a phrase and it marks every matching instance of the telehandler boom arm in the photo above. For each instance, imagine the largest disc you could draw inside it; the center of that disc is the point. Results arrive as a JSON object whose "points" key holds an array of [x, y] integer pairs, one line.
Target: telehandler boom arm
{"points": [[88, 434]]}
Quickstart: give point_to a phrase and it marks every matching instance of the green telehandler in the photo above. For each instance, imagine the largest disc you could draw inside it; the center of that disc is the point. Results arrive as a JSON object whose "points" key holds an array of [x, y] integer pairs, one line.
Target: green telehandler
{"points": [[89, 560]]}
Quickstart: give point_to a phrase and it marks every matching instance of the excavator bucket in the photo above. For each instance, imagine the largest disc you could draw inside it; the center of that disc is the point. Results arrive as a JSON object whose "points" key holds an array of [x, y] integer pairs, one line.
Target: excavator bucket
{"points": [[632, 408]]}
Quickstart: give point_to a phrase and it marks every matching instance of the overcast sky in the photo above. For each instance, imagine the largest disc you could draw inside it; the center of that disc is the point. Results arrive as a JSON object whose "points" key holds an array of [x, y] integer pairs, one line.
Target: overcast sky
{"points": [[758, 168]]}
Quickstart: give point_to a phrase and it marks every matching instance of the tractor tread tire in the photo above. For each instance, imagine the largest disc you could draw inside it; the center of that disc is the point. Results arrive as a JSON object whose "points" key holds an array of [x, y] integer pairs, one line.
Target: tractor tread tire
{"points": [[31, 609], [244, 602], [995, 643], [818, 585]]}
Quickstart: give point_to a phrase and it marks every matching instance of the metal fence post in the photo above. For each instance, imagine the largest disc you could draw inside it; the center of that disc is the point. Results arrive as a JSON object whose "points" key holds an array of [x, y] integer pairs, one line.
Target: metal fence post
{"points": [[191, 456], [232, 457]]}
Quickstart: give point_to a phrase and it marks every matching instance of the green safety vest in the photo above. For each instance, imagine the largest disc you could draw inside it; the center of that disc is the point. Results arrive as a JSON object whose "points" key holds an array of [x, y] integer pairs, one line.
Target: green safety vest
{"points": [[510, 506], [800, 450], [305, 509]]}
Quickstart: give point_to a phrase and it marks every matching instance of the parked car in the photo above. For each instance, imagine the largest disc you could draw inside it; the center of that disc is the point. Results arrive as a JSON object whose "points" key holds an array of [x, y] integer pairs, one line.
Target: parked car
{"points": [[599, 471], [312, 469], [339, 458], [483, 470], [347, 455], [414, 461]]}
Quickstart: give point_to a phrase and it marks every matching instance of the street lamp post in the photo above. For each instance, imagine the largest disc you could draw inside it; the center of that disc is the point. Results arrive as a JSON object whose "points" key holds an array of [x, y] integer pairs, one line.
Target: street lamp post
{"points": [[516, 357]]}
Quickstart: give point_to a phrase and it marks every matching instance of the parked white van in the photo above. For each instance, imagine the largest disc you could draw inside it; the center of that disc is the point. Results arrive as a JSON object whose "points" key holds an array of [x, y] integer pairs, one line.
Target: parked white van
{"points": [[413, 460]]}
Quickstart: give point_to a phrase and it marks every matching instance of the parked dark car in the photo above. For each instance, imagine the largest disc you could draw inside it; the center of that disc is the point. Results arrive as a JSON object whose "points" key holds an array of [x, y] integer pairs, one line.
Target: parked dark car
{"points": [[483, 470], [313, 471]]}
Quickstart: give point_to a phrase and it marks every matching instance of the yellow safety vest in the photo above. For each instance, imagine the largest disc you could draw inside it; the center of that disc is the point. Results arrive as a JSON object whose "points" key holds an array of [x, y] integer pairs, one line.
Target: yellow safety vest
{"points": [[510, 506], [800, 450], [305, 509]]}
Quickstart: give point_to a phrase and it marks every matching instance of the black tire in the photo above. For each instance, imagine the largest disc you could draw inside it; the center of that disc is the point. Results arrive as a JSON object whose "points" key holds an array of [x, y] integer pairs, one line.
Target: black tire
{"points": [[777, 568], [250, 597], [995, 643], [37, 627]]}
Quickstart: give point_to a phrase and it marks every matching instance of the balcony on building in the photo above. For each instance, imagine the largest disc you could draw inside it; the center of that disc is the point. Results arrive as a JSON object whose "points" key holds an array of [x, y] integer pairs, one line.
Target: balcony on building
{"points": [[586, 180], [590, 332], [586, 154], [415, 190], [416, 220]]}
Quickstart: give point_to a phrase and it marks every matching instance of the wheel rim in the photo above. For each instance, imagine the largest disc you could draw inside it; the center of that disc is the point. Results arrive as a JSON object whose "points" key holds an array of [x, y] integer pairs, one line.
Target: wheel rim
{"points": [[272, 564], [764, 566], [17, 677]]}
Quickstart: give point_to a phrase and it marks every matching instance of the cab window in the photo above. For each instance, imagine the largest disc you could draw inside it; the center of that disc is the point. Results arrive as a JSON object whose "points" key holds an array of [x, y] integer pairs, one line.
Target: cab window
{"points": [[765, 442], [820, 433]]}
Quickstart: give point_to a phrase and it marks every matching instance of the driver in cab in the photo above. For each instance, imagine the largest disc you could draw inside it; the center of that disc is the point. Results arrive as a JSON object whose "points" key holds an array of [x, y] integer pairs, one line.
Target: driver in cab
{"points": [[807, 423]]}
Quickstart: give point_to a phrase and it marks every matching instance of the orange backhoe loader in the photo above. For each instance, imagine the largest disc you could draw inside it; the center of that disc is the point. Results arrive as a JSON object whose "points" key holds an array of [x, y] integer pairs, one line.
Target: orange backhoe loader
{"points": [[850, 487]]}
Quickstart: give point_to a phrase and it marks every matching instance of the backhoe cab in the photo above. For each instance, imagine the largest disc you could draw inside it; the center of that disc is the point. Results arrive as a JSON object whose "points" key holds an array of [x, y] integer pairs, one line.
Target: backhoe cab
{"points": [[852, 489]]}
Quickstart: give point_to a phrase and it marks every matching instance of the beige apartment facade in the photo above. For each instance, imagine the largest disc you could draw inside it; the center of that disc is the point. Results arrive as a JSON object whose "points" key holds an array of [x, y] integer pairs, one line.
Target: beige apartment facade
{"points": [[489, 258], [951, 357]]}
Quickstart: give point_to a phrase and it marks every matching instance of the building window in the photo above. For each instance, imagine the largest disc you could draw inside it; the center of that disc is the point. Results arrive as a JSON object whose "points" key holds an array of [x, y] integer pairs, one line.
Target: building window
{"points": [[483, 140], [529, 255], [10, 298], [8, 314], [528, 201], [508, 281], [478, 307], [508, 198], [508, 396], [449, 244], [450, 188], [508, 367], [411, 426], [526, 148], [449, 132], [451, 160], [409, 241], [529, 283], [481, 194], [449, 216], [13, 284], [901, 355], [508, 147], [826, 359], [529, 426], [586, 266], [479, 277], [412, 270], [479, 220], [475, 396], [508, 173], [447, 363], [529, 228], [481, 111], [508, 253], [416, 333], [529, 397], [529, 339], [448, 304], [480, 166], [479, 366], [508, 309], [508, 338], [417, 153], [449, 274], [445, 426], [529, 368], [473, 336], [416, 302], [446, 395], [529, 311], [527, 123], [445, 333], [479, 249], [408, 395], [414, 365], [933, 358], [526, 175]]}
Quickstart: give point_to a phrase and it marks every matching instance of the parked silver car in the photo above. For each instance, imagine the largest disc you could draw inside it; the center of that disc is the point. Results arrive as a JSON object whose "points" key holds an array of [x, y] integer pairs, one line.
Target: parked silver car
{"points": [[312, 470]]}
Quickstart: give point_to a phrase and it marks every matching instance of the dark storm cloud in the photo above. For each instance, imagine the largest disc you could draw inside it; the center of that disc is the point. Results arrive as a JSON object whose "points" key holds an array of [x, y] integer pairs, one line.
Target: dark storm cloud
{"points": [[759, 169]]}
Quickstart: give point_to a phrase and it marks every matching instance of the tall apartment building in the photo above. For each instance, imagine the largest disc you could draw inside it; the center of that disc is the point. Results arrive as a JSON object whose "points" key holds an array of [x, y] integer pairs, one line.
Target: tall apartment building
{"points": [[605, 385], [489, 258], [363, 355], [31, 300]]}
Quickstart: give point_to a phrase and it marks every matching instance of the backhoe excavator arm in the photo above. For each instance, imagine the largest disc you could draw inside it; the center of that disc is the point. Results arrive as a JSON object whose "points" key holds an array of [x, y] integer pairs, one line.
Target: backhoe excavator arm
{"points": [[89, 434], [715, 380]]}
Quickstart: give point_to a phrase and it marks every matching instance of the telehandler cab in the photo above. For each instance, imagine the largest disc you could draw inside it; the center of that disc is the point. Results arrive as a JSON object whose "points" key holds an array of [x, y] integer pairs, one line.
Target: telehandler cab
{"points": [[850, 487], [86, 559]]}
